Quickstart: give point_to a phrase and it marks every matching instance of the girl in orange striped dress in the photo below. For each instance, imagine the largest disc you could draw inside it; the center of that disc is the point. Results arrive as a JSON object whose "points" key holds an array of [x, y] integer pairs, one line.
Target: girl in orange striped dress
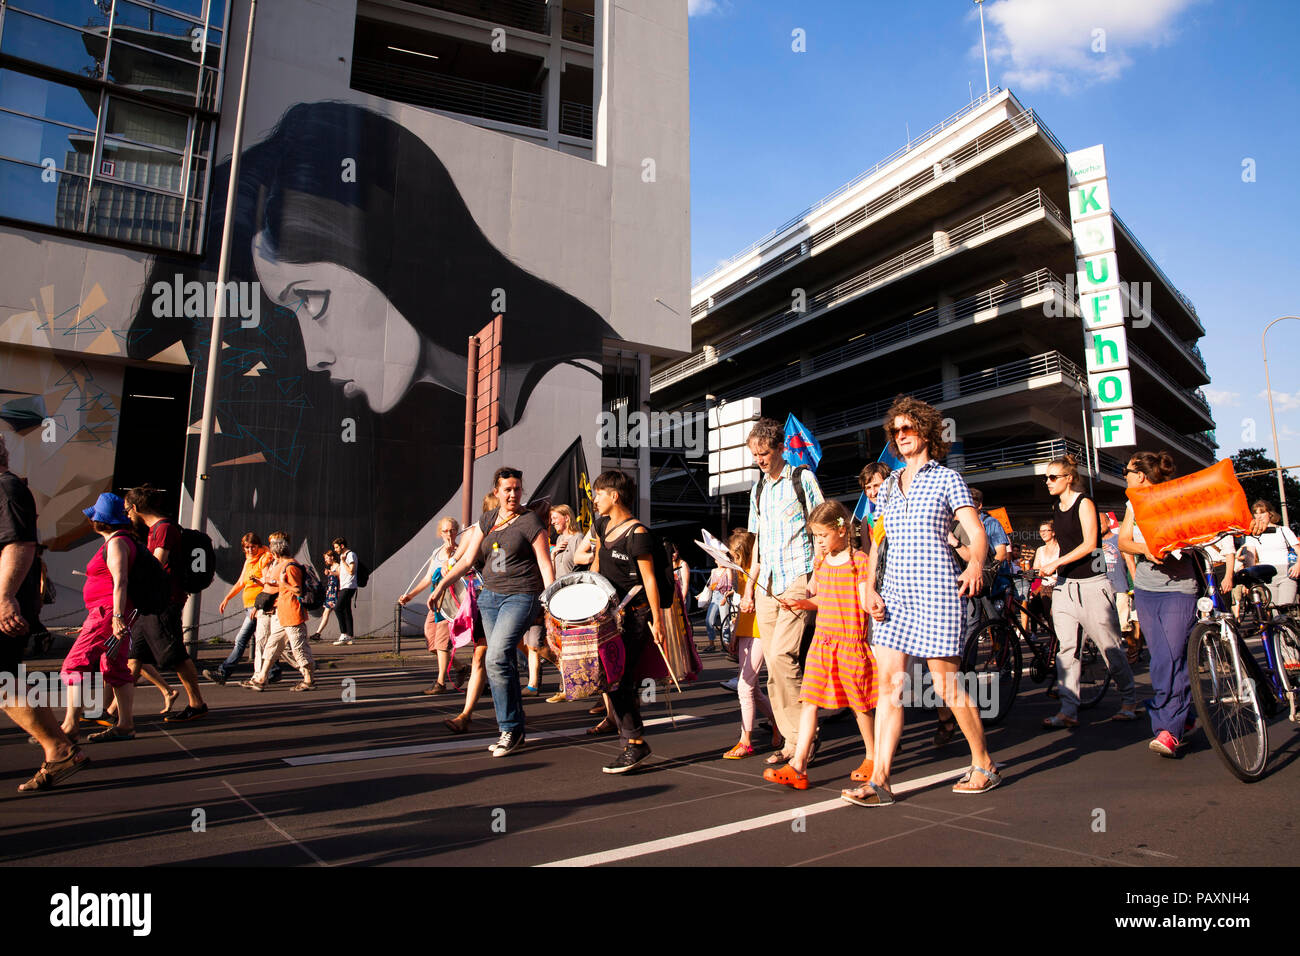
{"points": [[840, 671]]}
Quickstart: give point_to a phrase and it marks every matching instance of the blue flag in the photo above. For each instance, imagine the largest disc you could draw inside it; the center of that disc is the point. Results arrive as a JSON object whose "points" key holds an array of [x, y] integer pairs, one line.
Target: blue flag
{"points": [[800, 446], [889, 459], [863, 509]]}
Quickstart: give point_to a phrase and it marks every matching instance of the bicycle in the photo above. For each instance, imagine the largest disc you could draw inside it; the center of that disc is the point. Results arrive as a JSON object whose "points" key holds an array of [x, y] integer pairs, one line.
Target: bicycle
{"points": [[993, 654], [1233, 694]]}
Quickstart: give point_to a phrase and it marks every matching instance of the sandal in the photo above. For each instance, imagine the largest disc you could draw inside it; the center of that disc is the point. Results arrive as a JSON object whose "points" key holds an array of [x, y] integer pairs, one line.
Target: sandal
{"points": [[777, 756], [1059, 722], [598, 710], [739, 751], [868, 795], [787, 776], [945, 732], [302, 685], [557, 698], [54, 771], [863, 773], [606, 726], [964, 784], [458, 724], [1125, 713], [113, 733]]}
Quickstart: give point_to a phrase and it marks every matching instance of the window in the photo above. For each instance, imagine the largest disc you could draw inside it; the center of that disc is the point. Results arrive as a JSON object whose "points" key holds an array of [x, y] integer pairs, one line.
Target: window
{"points": [[107, 116]]}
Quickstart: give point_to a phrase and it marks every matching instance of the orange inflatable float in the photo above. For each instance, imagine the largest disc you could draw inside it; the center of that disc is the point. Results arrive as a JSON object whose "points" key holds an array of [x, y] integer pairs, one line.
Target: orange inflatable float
{"points": [[1194, 509]]}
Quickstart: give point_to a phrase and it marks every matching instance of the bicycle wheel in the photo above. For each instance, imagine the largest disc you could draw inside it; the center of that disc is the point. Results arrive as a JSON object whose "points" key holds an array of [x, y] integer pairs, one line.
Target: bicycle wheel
{"points": [[1227, 705], [992, 655], [1094, 675]]}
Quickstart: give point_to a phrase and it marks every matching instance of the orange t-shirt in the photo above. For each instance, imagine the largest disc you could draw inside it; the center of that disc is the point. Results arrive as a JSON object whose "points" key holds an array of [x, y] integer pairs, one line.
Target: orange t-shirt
{"points": [[253, 567], [284, 579]]}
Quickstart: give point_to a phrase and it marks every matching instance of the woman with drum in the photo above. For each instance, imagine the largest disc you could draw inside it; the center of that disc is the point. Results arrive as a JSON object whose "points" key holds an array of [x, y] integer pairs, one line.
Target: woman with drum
{"points": [[624, 557], [511, 546]]}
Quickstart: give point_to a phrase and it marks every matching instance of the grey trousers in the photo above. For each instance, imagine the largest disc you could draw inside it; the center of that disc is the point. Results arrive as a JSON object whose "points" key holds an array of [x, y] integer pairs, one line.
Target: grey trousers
{"points": [[1088, 603]]}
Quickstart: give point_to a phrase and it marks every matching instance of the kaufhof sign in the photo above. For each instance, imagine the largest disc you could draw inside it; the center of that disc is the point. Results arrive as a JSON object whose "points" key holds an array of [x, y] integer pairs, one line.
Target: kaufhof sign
{"points": [[1105, 343]]}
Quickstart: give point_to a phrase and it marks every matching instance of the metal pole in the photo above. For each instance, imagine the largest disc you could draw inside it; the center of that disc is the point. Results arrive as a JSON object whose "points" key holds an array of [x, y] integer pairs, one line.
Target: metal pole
{"points": [[1268, 387], [198, 518], [1087, 439], [471, 410], [987, 86]]}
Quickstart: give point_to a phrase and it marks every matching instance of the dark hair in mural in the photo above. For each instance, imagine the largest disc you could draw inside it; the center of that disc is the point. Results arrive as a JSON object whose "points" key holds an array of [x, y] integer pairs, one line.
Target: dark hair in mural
{"points": [[373, 274]]}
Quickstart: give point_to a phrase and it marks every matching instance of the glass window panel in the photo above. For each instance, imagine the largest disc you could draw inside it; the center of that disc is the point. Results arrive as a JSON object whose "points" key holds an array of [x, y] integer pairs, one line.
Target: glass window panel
{"points": [[213, 56], [193, 216], [56, 101], [78, 13], [193, 8], [60, 47], [139, 164], [198, 178], [210, 95], [217, 13], [158, 31], [145, 124], [25, 194], [34, 141], [202, 132], [134, 215], [138, 69]]}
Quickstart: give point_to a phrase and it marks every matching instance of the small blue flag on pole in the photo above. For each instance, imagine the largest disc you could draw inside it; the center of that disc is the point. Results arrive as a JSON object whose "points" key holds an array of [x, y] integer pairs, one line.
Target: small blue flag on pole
{"points": [[800, 446], [863, 508]]}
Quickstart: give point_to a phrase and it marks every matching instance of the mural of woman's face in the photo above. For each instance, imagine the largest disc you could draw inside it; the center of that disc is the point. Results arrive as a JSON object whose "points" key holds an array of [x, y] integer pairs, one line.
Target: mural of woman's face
{"points": [[349, 328]]}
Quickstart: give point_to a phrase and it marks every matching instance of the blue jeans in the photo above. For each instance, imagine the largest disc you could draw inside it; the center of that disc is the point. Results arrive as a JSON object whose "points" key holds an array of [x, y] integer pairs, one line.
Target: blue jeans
{"points": [[505, 618], [241, 642], [713, 622]]}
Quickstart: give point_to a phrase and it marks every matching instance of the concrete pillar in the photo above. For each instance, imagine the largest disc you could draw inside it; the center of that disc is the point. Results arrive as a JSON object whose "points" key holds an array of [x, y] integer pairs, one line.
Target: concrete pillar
{"points": [[944, 307], [948, 373], [554, 69]]}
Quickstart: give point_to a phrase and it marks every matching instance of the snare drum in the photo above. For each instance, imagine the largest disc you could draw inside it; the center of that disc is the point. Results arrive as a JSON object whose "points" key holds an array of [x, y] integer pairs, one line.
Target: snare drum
{"points": [[583, 629]]}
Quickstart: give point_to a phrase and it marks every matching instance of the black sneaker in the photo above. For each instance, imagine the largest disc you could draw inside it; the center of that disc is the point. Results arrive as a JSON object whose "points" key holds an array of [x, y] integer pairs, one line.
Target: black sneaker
{"points": [[632, 755], [216, 676], [189, 713], [275, 675], [511, 740]]}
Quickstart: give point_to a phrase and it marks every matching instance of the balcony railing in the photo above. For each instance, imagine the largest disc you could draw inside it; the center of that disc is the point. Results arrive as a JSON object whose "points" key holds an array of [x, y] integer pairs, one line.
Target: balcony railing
{"points": [[450, 93], [1018, 372], [1159, 271], [575, 119], [852, 183], [1188, 349], [1196, 444], [524, 14], [578, 27], [956, 162], [1193, 395], [1031, 202], [861, 349]]}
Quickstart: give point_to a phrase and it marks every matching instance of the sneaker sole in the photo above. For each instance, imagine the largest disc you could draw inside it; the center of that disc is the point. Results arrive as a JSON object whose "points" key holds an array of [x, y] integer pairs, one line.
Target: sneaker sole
{"points": [[631, 766], [504, 752]]}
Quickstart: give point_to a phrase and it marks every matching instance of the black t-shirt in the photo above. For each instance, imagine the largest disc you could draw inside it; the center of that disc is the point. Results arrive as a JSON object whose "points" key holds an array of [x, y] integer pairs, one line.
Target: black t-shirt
{"points": [[18, 526], [506, 557], [1069, 535], [618, 558]]}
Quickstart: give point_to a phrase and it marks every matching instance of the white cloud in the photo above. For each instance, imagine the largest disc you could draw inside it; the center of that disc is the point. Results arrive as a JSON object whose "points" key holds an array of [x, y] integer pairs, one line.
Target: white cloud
{"points": [[1071, 45], [700, 8], [1282, 401], [1221, 397]]}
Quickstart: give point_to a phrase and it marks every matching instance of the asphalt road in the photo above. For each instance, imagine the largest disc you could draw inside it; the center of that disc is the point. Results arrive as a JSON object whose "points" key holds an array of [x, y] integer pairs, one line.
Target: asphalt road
{"points": [[289, 779]]}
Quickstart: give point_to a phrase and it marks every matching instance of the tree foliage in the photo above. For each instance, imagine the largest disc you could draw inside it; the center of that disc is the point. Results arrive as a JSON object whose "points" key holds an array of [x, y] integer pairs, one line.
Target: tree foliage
{"points": [[1265, 486]]}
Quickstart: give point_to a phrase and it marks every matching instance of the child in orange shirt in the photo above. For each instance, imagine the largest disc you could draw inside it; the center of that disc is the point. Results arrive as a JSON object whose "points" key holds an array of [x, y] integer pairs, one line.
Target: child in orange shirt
{"points": [[840, 670]]}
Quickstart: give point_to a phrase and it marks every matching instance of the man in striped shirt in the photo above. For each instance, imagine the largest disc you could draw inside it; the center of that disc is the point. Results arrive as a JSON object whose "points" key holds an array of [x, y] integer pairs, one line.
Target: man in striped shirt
{"points": [[782, 565]]}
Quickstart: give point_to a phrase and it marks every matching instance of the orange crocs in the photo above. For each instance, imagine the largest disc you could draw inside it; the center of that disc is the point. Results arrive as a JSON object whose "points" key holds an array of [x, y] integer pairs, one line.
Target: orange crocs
{"points": [[787, 776], [863, 773]]}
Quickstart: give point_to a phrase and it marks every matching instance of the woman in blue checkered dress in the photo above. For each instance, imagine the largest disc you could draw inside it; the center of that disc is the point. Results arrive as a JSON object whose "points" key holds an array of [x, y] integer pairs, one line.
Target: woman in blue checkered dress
{"points": [[919, 612]]}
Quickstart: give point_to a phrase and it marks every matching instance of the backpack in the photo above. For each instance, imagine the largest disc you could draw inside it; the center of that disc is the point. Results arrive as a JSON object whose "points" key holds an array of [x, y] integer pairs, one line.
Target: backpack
{"points": [[311, 595], [196, 548], [363, 573], [796, 477], [664, 577], [147, 584]]}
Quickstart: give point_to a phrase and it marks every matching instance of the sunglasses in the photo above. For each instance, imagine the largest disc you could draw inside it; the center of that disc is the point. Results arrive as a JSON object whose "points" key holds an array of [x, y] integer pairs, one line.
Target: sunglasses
{"points": [[1051, 478]]}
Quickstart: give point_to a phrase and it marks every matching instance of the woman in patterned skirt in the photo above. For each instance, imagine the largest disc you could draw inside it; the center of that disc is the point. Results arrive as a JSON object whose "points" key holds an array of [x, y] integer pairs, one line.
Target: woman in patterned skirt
{"points": [[839, 671], [919, 613]]}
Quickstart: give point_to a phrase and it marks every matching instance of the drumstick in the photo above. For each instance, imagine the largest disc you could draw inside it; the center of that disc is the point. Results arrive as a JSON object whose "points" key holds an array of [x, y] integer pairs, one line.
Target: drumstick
{"points": [[630, 595]]}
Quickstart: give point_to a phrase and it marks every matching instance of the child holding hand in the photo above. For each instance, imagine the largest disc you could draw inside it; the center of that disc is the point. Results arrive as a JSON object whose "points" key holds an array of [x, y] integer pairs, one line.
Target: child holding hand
{"points": [[840, 670]]}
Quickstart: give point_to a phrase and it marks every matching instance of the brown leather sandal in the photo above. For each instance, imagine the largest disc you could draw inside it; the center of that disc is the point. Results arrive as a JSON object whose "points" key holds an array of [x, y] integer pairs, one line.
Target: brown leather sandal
{"points": [[458, 724], [54, 771]]}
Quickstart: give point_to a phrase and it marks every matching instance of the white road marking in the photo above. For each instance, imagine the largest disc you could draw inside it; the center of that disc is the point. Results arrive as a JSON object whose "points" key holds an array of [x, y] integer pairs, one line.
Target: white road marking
{"points": [[446, 746], [179, 744], [739, 826], [274, 826]]}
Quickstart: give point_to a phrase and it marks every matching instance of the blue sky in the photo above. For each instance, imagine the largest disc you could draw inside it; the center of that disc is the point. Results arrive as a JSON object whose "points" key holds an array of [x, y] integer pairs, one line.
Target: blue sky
{"points": [[1184, 92]]}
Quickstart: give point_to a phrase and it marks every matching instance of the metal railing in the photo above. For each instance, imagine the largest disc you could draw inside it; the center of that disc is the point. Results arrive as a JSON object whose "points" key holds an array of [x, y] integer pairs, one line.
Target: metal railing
{"points": [[1188, 349], [578, 27], [1132, 237], [523, 14], [1031, 202], [956, 162], [575, 119], [449, 93], [860, 349], [857, 180], [1195, 396], [1195, 443], [986, 380]]}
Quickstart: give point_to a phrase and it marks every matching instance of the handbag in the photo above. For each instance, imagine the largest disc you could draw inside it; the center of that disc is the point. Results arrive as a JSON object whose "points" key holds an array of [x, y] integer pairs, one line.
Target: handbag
{"points": [[466, 622], [705, 597], [265, 601]]}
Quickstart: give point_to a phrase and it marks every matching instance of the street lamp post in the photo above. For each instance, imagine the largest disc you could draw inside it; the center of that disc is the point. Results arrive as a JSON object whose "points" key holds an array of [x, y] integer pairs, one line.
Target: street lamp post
{"points": [[984, 44], [1268, 388]]}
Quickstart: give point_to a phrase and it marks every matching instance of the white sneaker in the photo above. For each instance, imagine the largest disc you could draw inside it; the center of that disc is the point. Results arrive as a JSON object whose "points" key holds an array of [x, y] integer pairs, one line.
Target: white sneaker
{"points": [[731, 684], [343, 640]]}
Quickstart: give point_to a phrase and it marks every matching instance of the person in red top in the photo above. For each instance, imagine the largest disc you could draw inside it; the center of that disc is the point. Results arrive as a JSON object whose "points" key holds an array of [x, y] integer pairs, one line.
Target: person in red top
{"points": [[105, 636], [288, 621], [161, 641]]}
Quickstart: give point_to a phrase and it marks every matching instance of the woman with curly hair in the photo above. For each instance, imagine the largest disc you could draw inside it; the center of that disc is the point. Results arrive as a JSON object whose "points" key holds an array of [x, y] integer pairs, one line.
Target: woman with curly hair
{"points": [[920, 609]]}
